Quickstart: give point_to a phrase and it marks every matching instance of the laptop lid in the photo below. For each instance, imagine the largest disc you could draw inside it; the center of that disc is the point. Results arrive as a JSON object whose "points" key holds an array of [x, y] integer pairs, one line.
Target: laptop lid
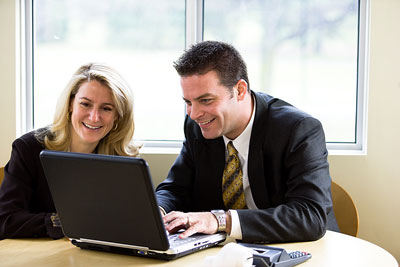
{"points": [[106, 198]]}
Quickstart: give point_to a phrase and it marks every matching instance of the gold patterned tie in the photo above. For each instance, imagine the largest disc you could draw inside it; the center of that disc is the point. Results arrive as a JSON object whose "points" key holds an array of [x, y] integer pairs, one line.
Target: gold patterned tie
{"points": [[232, 181]]}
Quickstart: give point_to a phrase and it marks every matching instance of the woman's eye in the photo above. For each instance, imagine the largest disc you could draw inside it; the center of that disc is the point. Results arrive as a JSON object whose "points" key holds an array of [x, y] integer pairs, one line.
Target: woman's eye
{"points": [[107, 109], [84, 104]]}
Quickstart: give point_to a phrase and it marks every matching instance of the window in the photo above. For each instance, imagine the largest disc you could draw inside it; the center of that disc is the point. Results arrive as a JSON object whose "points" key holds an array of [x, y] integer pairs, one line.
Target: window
{"points": [[311, 53], [304, 52], [140, 39]]}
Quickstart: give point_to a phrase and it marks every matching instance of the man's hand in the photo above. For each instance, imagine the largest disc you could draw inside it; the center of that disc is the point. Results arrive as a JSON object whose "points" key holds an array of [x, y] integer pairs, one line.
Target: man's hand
{"points": [[193, 222]]}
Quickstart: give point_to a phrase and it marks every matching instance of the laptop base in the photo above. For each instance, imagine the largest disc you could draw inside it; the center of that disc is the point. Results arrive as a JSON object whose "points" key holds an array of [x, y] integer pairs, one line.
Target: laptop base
{"points": [[137, 252]]}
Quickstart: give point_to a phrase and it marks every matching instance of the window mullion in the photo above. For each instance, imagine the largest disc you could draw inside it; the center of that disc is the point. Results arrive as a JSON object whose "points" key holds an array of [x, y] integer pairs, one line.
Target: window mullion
{"points": [[25, 98], [194, 22]]}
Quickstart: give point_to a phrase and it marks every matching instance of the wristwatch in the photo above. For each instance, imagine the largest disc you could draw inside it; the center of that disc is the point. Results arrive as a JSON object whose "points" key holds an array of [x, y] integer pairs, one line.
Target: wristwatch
{"points": [[221, 218], [55, 220]]}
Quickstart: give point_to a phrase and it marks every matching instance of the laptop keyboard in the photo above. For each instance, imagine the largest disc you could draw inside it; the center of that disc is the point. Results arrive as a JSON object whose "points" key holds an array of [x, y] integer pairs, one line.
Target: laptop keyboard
{"points": [[174, 240]]}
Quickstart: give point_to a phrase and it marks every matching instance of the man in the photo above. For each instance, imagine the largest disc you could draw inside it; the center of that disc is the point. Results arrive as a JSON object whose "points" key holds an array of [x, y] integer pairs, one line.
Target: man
{"points": [[272, 185]]}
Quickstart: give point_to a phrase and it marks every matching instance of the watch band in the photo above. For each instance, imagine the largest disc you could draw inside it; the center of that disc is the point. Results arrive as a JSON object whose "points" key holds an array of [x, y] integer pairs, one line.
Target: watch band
{"points": [[221, 218]]}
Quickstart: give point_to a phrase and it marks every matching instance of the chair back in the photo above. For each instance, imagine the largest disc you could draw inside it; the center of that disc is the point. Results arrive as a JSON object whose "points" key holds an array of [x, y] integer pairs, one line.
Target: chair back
{"points": [[345, 210], [1, 174]]}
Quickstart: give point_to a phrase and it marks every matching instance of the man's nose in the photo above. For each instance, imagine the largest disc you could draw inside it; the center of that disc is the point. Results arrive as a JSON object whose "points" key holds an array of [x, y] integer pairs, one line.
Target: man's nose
{"points": [[194, 111]]}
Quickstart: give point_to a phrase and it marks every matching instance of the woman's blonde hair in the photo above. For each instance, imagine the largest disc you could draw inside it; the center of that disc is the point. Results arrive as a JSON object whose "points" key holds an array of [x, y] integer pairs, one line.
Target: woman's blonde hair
{"points": [[119, 140]]}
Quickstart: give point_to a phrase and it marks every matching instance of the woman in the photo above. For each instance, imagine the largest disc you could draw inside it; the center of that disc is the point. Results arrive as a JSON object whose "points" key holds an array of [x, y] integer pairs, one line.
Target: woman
{"points": [[94, 115]]}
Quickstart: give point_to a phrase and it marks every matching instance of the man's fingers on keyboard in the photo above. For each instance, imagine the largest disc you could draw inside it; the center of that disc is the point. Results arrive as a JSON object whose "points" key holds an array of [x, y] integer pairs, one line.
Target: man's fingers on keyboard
{"points": [[190, 231]]}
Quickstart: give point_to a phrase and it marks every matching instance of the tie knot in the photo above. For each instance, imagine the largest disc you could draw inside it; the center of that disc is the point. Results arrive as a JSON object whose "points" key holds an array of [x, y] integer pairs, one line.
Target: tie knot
{"points": [[231, 149]]}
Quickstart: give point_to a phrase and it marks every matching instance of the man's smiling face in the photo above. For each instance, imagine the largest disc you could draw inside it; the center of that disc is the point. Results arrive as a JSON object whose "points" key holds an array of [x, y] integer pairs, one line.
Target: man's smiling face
{"points": [[211, 105]]}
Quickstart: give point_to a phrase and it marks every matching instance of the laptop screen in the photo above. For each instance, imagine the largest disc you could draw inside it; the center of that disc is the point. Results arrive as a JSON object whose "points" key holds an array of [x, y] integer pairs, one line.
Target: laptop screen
{"points": [[105, 198]]}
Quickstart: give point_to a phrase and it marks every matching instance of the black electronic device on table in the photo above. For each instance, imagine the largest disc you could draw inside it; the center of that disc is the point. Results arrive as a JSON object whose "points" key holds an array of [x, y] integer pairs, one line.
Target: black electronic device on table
{"points": [[266, 256], [108, 203]]}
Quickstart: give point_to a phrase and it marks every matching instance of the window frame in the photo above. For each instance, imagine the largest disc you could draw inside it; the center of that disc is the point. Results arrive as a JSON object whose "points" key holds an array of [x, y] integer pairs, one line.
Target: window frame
{"points": [[194, 33]]}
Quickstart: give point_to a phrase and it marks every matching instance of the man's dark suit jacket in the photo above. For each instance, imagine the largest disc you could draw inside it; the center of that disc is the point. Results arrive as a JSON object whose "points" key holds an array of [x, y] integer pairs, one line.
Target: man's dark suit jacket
{"points": [[288, 175]]}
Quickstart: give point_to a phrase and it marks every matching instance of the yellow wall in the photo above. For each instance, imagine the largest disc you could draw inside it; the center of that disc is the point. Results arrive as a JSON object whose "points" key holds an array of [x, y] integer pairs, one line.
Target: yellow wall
{"points": [[372, 180]]}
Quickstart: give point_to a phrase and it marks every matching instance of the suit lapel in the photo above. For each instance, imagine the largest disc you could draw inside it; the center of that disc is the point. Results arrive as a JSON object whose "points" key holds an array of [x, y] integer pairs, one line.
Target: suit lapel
{"points": [[256, 171]]}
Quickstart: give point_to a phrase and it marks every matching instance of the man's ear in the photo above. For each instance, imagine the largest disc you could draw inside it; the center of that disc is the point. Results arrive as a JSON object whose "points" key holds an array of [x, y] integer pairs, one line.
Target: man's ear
{"points": [[241, 88]]}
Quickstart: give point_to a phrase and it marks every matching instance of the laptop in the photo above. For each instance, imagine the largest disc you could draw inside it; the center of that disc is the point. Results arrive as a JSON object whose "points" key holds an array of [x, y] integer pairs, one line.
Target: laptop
{"points": [[108, 203]]}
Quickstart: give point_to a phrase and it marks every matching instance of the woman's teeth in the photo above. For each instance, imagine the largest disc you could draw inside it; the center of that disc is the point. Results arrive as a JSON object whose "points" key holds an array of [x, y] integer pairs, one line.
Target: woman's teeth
{"points": [[92, 127]]}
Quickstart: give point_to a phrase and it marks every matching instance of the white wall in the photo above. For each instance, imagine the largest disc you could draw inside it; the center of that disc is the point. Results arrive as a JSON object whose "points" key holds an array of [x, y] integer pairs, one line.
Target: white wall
{"points": [[372, 180], [7, 78]]}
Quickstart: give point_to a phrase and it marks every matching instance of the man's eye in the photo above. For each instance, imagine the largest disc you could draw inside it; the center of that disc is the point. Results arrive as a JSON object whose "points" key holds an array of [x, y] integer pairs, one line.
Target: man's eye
{"points": [[206, 101]]}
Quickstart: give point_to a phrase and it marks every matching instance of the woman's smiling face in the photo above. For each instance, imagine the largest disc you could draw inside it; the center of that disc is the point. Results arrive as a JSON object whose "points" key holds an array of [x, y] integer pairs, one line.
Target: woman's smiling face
{"points": [[93, 114]]}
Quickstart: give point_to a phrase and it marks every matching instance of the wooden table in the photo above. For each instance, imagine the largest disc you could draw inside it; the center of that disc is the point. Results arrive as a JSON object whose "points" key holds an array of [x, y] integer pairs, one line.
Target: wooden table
{"points": [[334, 249]]}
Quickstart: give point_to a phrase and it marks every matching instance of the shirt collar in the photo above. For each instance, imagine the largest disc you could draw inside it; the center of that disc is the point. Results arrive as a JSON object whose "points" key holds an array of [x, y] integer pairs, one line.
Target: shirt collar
{"points": [[242, 142]]}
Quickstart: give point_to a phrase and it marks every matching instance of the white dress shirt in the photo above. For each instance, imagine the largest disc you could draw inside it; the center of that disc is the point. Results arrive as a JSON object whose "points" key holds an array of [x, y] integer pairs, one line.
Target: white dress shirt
{"points": [[242, 143]]}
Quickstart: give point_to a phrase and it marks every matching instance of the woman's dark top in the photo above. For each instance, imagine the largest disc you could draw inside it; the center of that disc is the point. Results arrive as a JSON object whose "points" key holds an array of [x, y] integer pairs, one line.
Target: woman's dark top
{"points": [[25, 200]]}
